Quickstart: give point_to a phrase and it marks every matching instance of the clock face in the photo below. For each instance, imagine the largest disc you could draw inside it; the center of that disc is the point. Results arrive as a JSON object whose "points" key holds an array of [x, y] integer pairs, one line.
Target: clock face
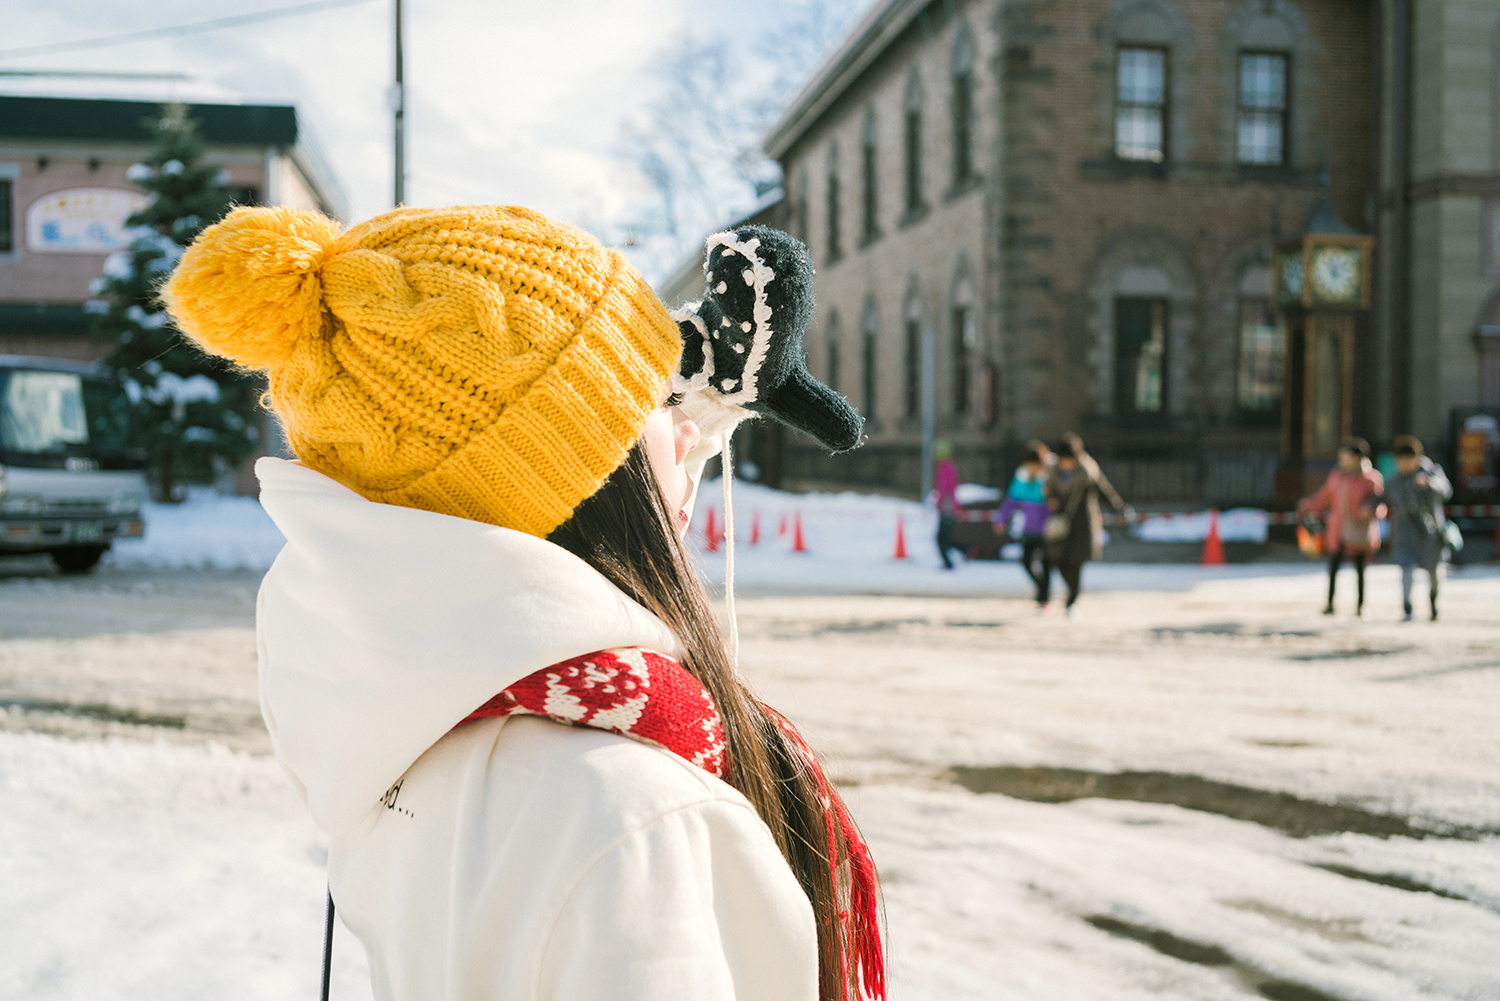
{"points": [[1335, 274], [1291, 277]]}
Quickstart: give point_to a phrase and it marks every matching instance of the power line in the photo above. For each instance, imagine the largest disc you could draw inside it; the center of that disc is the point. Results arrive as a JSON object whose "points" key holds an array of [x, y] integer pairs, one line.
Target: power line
{"points": [[93, 74], [180, 29]]}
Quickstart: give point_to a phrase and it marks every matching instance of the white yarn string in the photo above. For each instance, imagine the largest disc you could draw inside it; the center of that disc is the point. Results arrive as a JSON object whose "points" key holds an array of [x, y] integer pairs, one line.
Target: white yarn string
{"points": [[734, 623]]}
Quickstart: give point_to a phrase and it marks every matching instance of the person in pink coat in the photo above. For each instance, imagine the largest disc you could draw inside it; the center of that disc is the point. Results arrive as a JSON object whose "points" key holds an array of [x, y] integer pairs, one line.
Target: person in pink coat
{"points": [[1349, 501], [945, 486]]}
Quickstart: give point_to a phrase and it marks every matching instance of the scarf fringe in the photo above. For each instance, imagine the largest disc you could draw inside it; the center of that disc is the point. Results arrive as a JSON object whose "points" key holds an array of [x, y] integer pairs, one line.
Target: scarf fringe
{"points": [[861, 931]]}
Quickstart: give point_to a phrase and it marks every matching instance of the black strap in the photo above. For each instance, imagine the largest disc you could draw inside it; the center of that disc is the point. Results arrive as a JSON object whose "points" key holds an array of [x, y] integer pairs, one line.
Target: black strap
{"points": [[328, 947]]}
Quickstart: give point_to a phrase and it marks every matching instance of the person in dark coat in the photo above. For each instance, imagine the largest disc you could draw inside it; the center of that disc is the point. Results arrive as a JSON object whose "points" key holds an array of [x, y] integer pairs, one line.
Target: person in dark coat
{"points": [[1073, 489], [1415, 497]]}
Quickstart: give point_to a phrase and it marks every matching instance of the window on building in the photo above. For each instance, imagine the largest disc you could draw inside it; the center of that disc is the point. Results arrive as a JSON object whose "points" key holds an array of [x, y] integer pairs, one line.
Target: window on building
{"points": [[963, 107], [832, 371], [913, 159], [1263, 104], [799, 219], [1140, 356], [835, 241], [965, 336], [7, 241], [1261, 357], [870, 350], [870, 178], [913, 367], [1141, 105]]}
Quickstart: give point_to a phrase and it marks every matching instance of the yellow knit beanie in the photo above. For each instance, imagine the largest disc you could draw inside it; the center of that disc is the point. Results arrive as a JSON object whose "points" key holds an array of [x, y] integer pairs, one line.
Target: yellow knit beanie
{"points": [[477, 361]]}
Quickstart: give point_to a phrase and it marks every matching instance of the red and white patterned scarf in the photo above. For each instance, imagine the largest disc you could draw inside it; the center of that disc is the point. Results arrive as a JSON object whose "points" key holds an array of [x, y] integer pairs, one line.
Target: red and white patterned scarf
{"points": [[652, 698]]}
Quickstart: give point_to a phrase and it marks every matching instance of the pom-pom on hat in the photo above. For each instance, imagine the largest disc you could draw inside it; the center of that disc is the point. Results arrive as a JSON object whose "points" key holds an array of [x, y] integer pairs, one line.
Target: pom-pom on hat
{"points": [[479, 361]]}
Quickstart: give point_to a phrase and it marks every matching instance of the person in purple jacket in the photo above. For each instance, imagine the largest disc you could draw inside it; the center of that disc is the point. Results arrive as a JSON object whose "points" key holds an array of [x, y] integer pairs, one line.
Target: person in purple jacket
{"points": [[1026, 496]]}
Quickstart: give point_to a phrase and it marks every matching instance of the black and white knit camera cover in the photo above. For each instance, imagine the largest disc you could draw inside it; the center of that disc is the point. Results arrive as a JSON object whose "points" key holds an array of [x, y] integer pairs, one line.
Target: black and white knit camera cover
{"points": [[742, 348]]}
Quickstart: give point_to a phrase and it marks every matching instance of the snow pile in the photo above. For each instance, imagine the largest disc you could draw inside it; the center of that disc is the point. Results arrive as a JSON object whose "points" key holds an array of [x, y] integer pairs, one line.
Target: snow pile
{"points": [[1240, 524], [848, 541], [208, 531]]}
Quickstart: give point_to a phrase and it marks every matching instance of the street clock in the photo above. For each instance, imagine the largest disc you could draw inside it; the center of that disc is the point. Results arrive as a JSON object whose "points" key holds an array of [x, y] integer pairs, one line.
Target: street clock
{"points": [[1322, 283]]}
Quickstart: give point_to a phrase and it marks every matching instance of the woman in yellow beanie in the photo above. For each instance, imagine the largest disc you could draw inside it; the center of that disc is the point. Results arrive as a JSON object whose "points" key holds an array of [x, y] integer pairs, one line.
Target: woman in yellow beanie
{"points": [[483, 542]]}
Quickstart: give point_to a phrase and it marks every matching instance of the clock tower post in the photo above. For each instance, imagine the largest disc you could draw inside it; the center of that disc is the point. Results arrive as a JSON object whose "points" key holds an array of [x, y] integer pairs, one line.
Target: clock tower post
{"points": [[1323, 293]]}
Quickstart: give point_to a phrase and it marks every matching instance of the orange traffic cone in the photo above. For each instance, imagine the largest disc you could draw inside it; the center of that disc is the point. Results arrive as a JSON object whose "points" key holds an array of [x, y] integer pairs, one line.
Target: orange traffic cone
{"points": [[781, 526], [711, 532], [798, 545], [900, 538], [755, 528], [1213, 546]]}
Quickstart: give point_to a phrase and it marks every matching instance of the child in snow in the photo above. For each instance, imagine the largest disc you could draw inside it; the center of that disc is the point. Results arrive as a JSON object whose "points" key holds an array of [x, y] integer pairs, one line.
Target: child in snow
{"points": [[1027, 496], [945, 485], [1416, 499], [1350, 501], [494, 461]]}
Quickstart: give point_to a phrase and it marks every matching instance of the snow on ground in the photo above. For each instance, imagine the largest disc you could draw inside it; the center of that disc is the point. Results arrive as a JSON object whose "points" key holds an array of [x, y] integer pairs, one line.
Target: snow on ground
{"points": [[137, 871], [208, 531], [134, 868]]}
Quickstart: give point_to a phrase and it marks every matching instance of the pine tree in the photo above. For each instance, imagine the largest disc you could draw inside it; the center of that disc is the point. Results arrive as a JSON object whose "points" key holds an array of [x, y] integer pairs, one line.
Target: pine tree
{"points": [[194, 413]]}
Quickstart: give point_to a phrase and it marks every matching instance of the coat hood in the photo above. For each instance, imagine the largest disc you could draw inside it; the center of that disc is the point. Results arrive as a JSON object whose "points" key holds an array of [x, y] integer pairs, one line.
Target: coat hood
{"points": [[380, 627]]}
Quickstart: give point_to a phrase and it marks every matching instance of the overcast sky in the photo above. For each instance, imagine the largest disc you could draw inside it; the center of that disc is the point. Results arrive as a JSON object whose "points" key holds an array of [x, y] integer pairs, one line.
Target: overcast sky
{"points": [[520, 103]]}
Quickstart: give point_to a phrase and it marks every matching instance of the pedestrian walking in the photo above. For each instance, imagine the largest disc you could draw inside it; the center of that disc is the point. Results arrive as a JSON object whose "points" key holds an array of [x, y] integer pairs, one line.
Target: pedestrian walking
{"points": [[1026, 502], [1349, 501], [1418, 527], [483, 531], [945, 486], [1076, 523]]}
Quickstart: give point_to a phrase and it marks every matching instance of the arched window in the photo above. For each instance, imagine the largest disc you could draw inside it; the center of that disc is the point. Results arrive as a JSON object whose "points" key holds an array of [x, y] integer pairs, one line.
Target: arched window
{"points": [[915, 199], [911, 318], [870, 176], [800, 215], [1146, 305], [831, 372], [869, 331], [835, 243], [965, 339], [963, 106]]}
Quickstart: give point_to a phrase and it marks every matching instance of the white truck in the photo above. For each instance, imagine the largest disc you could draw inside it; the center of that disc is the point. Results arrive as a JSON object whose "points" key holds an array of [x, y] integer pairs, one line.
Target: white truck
{"points": [[70, 481]]}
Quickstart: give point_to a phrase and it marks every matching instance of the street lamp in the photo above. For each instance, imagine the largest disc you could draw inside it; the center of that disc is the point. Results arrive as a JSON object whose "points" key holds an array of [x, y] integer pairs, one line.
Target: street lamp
{"points": [[398, 106]]}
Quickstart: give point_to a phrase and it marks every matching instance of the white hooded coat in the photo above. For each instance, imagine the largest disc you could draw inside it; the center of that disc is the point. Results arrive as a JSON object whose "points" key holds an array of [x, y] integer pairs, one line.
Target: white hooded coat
{"points": [[511, 858]]}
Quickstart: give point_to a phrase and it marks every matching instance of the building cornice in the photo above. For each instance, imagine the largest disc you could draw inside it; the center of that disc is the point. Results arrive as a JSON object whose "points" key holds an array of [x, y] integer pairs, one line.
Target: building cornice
{"points": [[880, 27], [1481, 185]]}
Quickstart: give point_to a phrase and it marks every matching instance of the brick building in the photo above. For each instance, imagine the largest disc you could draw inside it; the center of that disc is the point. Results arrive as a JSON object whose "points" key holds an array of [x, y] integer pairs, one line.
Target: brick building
{"points": [[64, 196], [1031, 216]]}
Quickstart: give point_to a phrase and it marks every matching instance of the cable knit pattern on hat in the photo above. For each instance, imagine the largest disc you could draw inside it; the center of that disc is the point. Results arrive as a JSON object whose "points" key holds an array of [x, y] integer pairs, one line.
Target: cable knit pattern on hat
{"points": [[478, 361]]}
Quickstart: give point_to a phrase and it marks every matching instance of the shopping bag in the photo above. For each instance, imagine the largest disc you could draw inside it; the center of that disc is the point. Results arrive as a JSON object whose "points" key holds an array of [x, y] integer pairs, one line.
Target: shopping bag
{"points": [[1310, 543]]}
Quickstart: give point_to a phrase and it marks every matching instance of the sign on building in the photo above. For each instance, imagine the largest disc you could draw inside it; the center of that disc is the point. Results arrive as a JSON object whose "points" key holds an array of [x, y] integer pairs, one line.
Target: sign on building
{"points": [[81, 220]]}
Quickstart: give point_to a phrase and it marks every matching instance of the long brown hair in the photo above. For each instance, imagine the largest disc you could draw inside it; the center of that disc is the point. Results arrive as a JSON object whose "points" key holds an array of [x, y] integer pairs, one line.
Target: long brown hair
{"points": [[626, 533]]}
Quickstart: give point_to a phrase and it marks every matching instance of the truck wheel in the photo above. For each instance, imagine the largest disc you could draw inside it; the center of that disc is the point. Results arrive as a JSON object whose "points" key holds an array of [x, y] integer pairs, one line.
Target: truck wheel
{"points": [[78, 559]]}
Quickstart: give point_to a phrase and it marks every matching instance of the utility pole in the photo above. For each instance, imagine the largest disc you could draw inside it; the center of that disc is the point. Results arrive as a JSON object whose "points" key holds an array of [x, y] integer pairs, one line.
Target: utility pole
{"points": [[398, 105], [929, 407]]}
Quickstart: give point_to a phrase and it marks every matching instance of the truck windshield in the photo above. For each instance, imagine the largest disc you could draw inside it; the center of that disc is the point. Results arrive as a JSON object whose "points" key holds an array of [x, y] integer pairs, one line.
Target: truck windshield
{"points": [[51, 412]]}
